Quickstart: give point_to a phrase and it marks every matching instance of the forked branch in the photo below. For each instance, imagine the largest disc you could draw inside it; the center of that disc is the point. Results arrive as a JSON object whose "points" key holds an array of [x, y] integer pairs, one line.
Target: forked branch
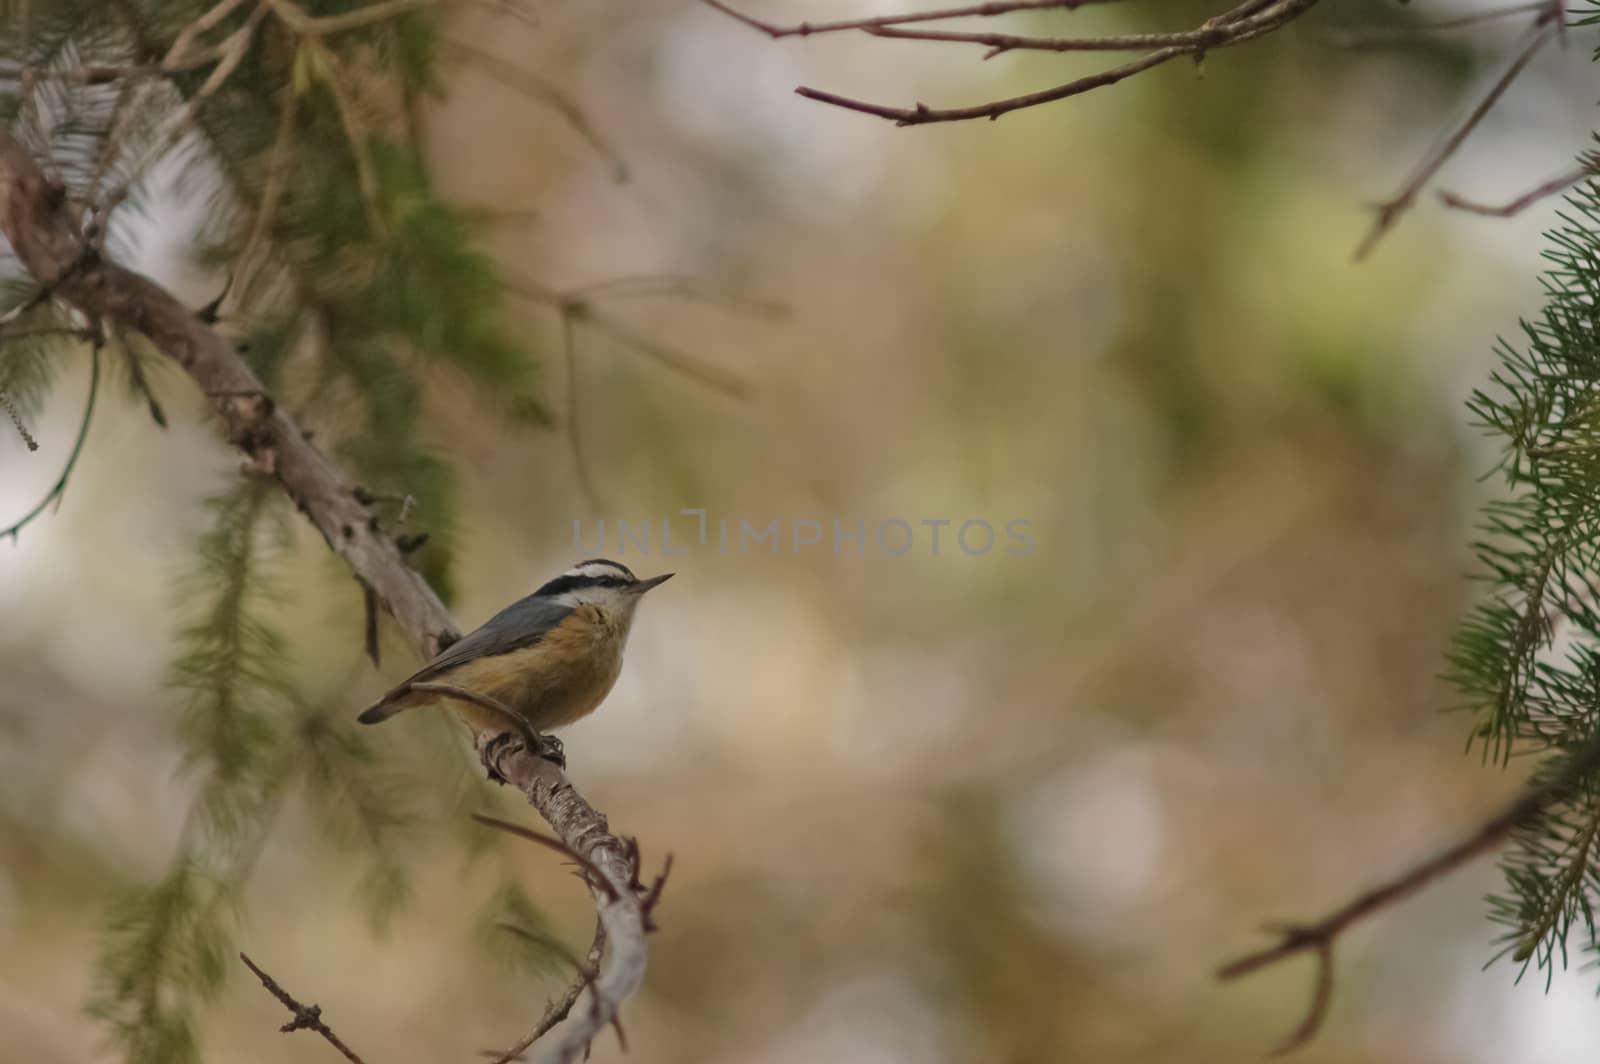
{"points": [[47, 236], [1245, 22]]}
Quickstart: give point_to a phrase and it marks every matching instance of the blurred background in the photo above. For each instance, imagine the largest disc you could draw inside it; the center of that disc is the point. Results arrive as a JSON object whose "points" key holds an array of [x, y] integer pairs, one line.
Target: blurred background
{"points": [[924, 807]]}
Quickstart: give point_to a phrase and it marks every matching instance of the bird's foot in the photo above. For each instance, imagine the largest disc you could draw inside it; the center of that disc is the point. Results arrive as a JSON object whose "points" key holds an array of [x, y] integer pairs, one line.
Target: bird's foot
{"points": [[550, 748], [547, 747]]}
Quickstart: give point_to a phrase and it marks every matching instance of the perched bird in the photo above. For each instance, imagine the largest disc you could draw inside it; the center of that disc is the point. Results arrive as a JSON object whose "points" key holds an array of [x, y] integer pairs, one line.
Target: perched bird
{"points": [[547, 659]]}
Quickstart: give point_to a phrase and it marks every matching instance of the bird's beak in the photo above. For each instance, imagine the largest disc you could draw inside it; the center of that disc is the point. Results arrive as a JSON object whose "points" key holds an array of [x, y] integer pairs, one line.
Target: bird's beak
{"points": [[645, 585]]}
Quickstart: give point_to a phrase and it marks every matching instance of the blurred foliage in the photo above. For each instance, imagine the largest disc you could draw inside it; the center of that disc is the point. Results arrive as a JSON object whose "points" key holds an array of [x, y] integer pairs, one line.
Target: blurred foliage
{"points": [[1128, 317], [349, 281]]}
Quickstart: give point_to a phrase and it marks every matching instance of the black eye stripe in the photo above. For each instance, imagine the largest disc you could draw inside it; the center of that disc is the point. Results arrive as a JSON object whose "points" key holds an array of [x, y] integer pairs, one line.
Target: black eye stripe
{"points": [[573, 582]]}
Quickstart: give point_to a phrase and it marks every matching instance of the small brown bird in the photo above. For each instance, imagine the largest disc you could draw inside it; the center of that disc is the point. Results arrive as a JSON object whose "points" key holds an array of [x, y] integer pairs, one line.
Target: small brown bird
{"points": [[549, 659]]}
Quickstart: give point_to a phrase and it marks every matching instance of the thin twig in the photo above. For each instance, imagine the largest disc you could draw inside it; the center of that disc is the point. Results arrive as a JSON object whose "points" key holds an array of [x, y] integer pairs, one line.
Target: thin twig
{"points": [[229, 54], [277, 173], [536, 88], [1389, 212], [713, 377], [569, 349], [17, 422], [1247, 21], [306, 1017], [586, 973], [595, 876], [332, 73], [1319, 938], [59, 488], [557, 1010], [181, 44], [806, 29], [921, 114], [999, 43], [676, 286], [1377, 36], [1550, 188], [579, 310], [323, 25]]}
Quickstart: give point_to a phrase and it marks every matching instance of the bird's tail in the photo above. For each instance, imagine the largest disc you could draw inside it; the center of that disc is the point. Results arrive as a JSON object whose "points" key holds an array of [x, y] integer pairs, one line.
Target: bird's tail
{"points": [[383, 709]]}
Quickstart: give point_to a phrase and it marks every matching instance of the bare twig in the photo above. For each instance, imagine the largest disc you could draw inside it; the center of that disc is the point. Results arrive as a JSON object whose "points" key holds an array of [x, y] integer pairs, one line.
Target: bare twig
{"points": [[806, 29], [59, 488], [323, 25], [922, 114], [1554, 186], [16, 421], [277, 172], [1319, 938], [306, 1017], [1377, 36], [580, 310], [536, 88], [44, 233], [713, 377], [596, 878], [229, 54], [1247, 21], [557, 1010], [1216, 36], [182, 44], [676, 286], [569, 349], [586, 973], [1389, 211], [331, 71]]}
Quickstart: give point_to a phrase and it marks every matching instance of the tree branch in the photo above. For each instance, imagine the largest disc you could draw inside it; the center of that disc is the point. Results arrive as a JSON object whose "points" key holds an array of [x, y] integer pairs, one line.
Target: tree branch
{"points": [[1589, 167], [1318, 938], [48, 239], [1247, 21], [306, 1017], [806, 29], [59, 488], [1387, 213], [623, 912]]}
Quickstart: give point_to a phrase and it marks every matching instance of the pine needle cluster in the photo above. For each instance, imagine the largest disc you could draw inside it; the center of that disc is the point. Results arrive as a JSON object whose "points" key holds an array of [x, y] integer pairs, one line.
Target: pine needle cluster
{"points": [[1528, 657], [350, 283]]}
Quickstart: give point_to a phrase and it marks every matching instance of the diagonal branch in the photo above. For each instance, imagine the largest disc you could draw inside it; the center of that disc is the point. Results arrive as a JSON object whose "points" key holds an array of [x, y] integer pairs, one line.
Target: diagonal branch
{"points": [[1245, 22], [806, 29], [306, 1017], [1318, 938], [1387, 213], [47, 238]]}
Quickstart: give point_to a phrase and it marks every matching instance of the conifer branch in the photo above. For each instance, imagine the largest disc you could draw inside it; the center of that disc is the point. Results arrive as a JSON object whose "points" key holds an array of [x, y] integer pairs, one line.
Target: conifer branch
{"points": [[1318, 938], [59, 488], [47, 238]]}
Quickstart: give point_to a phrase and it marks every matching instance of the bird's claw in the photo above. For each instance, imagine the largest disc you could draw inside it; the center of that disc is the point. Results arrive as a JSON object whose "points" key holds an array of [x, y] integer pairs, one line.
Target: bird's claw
{"points": [[547, 747], [550, 748]]}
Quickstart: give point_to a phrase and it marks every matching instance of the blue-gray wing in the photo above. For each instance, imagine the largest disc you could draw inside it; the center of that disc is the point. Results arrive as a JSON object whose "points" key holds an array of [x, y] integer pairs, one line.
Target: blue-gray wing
{"points": [[521, 624]]}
